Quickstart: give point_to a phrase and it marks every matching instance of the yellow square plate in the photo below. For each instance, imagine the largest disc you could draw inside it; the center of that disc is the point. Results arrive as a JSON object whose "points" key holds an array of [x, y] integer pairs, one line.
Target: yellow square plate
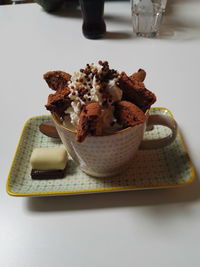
{"points": [[159, 168]]}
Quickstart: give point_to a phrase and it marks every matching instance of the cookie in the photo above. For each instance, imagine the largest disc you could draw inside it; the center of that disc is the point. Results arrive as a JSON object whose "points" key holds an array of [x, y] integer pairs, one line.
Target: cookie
{"points": [[89, 122], [59, 101], [134, 91], [140, 75], [128, 114], [57, 80]]}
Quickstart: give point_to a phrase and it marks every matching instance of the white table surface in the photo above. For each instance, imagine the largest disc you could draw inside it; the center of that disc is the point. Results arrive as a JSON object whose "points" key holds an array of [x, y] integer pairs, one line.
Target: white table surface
{"points": [[138, 228]]}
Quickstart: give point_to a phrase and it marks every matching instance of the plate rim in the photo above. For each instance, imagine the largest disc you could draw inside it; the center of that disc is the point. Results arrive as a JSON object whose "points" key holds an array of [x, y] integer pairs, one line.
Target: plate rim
{"points": [[192, 174]]}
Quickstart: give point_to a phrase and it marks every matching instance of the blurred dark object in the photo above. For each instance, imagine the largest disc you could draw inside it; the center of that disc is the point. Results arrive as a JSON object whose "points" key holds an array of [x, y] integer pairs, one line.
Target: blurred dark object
{"points": [[50, 5], [93, 26], [55, 5], [5, 2], [22, 1], [13, 2]]}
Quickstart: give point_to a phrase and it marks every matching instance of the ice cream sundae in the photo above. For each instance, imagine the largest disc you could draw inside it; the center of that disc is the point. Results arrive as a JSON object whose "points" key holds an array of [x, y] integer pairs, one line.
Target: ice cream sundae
{"points": [[98, 100]]}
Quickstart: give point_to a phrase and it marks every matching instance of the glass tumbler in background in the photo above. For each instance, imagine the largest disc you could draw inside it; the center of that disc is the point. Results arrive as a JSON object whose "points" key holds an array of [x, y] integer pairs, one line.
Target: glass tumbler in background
{"points": [[147, 16]]}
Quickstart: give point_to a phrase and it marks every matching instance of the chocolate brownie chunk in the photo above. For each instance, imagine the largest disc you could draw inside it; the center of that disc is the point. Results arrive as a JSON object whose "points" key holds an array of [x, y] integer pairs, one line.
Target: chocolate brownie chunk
{"points": [[89, 121], [59, 101], [57, 80], [134, 91], [128, 114]]}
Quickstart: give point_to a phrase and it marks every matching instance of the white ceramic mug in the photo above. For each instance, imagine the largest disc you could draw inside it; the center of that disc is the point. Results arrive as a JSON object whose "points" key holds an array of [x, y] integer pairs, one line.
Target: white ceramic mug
{"points": [[108, 155]]}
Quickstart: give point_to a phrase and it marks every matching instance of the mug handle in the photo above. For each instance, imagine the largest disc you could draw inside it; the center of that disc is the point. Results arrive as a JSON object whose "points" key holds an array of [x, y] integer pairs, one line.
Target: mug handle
{"points": [[163, 120]]}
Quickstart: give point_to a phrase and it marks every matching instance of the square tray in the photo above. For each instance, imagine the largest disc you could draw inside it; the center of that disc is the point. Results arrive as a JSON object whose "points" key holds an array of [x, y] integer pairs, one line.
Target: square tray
{"points": [[158, 168]]}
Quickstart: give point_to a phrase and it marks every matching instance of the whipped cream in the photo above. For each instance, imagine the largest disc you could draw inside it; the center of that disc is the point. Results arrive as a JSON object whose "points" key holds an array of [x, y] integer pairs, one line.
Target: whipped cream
{"points": [[95, 83]]}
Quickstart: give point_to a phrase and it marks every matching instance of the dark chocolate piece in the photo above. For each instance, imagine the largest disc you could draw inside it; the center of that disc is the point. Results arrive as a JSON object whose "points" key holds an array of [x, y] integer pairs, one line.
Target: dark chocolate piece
{"points": [[47, 174]]}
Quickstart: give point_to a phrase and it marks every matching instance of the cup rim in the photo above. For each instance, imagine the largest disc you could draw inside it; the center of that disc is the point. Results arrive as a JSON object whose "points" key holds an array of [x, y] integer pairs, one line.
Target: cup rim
{"points": [[58, 122]]}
